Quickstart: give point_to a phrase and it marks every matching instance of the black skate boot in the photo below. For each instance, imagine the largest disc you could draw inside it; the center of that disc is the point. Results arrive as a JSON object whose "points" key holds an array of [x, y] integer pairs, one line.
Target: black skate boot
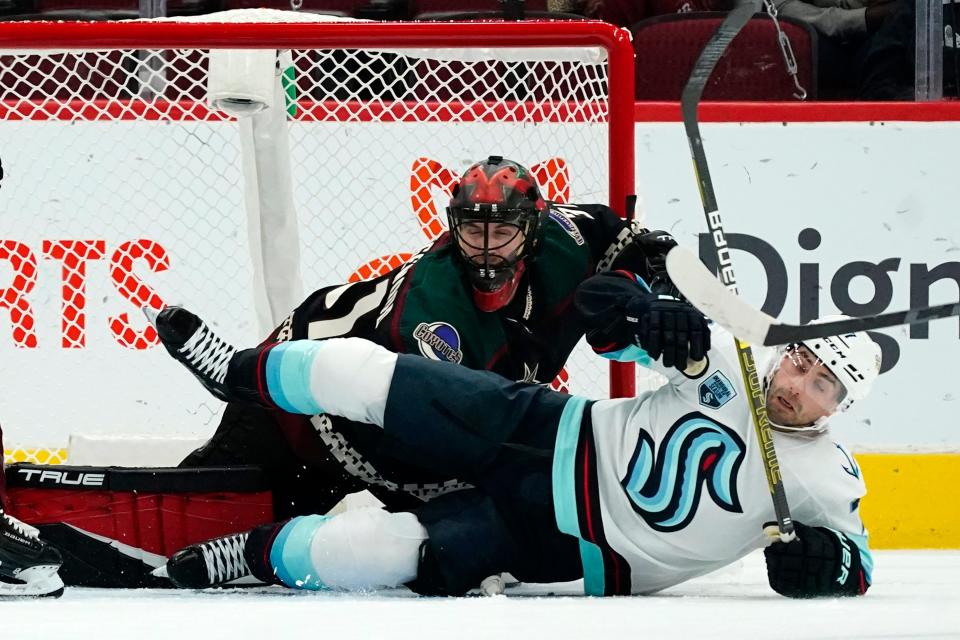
{"points": [[208, 564], [225, 559], [28, 566], [227, 373]]}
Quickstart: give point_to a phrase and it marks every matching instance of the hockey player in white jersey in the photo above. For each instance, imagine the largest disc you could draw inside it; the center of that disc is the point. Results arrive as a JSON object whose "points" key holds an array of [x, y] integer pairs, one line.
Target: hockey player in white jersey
{"points": [[634, 495]]}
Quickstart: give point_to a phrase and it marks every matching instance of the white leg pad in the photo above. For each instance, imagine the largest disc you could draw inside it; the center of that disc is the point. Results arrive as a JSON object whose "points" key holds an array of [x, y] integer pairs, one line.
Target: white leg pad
{"points": [[367, 549]]}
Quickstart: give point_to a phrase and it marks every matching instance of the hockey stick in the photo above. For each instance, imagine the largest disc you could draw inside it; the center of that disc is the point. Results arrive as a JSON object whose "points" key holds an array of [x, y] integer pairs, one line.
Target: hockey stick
{"points": [[745, 321], [689, 103]]}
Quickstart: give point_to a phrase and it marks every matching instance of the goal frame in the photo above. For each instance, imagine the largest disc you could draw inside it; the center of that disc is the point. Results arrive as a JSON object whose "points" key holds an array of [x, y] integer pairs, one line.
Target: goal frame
{"points": [[171, 34]]}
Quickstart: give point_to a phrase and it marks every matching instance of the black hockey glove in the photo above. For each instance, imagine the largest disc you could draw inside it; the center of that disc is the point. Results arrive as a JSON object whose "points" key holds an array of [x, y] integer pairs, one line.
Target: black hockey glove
{"points": [[655, 245], [669, 329], [820, 562]]}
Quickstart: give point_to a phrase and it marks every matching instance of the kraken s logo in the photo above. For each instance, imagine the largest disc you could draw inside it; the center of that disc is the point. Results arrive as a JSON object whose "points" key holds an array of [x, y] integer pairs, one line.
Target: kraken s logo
{"points": [[665, 487]]}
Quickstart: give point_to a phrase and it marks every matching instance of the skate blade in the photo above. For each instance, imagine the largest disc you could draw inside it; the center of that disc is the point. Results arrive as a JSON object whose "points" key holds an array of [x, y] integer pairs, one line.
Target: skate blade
{"points": [[151, 314], [41, 581]]}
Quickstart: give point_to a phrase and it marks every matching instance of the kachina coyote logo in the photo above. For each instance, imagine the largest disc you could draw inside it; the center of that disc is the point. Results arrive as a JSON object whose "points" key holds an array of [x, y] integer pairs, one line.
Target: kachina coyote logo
{"points": [[439, 341], [665, 487]]}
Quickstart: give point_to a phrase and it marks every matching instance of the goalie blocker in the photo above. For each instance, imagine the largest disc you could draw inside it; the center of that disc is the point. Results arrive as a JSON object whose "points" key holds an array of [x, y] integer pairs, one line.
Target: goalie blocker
{"points": [[113, 525]]}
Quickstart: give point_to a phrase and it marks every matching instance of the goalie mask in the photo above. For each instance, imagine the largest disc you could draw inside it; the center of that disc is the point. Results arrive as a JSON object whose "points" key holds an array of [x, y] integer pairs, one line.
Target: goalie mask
{"points": [[494, 218], [809, 381]]}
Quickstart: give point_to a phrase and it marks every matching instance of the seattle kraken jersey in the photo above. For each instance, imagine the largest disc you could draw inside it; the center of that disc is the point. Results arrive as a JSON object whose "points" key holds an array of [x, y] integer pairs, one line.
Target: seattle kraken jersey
{"points": [[670, 485]]}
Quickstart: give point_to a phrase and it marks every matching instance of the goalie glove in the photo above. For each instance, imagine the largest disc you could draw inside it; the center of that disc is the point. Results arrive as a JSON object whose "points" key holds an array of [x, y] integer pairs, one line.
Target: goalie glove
{"points": [[819, 562], [655, 245]]}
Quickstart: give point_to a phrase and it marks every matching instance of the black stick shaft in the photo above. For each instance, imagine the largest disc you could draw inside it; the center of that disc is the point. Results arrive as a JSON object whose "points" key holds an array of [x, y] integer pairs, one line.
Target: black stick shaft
{"points": [[690, 102], [787, 333]]}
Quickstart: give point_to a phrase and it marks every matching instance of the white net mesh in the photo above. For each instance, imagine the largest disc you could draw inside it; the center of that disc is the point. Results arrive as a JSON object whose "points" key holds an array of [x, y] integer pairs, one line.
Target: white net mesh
{"points": [[123, 188]]}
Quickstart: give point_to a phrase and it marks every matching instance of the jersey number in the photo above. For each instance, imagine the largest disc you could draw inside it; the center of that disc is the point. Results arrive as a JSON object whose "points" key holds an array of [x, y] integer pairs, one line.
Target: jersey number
{"points": [[664, 487]]}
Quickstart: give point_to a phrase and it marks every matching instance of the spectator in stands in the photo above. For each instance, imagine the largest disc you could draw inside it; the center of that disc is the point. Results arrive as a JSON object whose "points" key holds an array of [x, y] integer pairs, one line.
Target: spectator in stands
{"points": [[846, 29], [885, 63], [847, 20], [626, 13]]}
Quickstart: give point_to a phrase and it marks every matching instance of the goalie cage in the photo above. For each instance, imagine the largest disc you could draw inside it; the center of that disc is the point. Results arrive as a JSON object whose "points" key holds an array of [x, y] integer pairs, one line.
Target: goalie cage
{"points": [[126, 184]]}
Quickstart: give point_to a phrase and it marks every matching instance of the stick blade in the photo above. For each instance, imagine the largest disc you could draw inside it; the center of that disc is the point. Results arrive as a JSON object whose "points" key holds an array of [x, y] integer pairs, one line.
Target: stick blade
{"points": [[714, 300]]}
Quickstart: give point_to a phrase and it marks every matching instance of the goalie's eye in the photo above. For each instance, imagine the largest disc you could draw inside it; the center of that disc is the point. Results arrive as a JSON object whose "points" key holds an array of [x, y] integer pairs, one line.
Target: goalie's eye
{"points": [[503, 232]]}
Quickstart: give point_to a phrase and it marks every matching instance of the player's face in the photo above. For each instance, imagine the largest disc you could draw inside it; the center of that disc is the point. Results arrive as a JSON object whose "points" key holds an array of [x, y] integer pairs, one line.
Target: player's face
{"points": [[502, 241], [802, 389]]}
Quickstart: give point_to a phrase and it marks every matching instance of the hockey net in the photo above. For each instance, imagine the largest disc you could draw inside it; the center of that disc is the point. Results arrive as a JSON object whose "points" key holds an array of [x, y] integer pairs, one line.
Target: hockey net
{"points": [[126, 184]]}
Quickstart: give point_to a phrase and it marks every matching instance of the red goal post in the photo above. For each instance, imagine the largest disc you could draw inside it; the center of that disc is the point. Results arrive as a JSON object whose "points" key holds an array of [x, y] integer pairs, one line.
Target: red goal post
{"points": [[127, 184]]}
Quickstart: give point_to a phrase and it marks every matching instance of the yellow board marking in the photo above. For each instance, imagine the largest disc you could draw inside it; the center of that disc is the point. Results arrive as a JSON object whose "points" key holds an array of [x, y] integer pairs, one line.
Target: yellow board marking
{"points": [[911, 500]]}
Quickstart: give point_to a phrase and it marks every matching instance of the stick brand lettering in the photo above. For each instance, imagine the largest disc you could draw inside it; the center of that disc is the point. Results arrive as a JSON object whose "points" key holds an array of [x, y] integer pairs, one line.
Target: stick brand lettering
{"points": [[721, 251], [846, 557]]}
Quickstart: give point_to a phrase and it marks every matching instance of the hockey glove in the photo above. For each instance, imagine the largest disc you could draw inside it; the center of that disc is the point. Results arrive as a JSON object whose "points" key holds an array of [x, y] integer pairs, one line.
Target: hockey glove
{"points": [[600, 301], [655, 245], [819, 562], [669, 329]]}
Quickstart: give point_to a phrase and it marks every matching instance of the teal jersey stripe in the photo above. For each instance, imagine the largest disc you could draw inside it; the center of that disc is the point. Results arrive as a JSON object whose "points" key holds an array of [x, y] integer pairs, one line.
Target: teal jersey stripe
{"points": [[630, 353], [565, 494], [866, 558], [564, 459], [288, 376], [593, 576], [290, 553], [642, 283], [272, 373]]}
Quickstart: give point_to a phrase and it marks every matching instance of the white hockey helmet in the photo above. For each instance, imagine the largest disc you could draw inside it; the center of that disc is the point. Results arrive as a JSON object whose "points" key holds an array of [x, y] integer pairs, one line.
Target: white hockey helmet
{"points": [[853, 358]]}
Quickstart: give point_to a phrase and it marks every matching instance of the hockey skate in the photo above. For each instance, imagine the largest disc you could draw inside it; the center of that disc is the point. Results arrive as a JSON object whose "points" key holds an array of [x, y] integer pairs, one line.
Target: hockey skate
{"points": [[208, 564], [192, 343], [238, 559], [28, 566]]}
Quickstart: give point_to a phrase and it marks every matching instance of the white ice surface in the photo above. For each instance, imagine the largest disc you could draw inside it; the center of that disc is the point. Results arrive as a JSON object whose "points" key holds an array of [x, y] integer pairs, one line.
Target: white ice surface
{"points": [[916, 595]]}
